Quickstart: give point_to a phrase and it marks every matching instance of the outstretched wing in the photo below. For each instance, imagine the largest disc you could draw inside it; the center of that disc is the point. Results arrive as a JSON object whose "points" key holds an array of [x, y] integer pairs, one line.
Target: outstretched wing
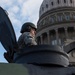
{"points": [[7, 35]]}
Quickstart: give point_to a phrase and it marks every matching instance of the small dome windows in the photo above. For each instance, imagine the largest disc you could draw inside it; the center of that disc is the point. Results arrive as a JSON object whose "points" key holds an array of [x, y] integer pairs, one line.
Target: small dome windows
{"points": [[67, 16], [42, 8], [46, 5], [50, 4]]}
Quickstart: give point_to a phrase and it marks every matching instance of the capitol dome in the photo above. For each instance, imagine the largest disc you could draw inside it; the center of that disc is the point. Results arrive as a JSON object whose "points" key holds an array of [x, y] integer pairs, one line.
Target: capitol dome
{"points": [[53, 4], [56, 24]]}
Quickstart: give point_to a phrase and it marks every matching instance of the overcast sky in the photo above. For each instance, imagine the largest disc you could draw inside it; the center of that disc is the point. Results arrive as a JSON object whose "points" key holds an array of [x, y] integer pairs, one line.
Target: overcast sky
{"points": [[20, 11]]}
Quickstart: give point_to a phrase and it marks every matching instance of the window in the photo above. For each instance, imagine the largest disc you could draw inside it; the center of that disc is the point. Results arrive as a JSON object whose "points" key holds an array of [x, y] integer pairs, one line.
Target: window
{"points": [[52, 3], [71, 1], [58, 1], [64, 1], [46, 5], [67, 17], [51, 19], [42, 8], [60, 18]]}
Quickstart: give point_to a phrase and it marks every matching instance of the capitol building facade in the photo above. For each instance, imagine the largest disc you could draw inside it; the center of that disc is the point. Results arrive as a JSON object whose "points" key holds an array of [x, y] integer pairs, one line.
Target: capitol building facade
{"points": [[56, 24]]}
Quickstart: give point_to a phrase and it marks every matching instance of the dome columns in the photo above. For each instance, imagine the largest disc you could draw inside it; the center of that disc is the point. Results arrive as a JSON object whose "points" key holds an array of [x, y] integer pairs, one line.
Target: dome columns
{"points": [[56, 24], [56, 36], [41, 39], [48, 37], [66, 33]]}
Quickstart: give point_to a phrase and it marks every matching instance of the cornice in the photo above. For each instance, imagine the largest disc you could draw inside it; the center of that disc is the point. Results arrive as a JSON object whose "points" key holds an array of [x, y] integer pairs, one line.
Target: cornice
{"points": [[55, 24], [55, 10]]}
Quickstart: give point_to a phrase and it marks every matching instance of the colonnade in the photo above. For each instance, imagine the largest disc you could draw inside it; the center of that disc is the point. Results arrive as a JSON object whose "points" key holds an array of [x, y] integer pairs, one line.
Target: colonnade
{"points": [[56, 36]]}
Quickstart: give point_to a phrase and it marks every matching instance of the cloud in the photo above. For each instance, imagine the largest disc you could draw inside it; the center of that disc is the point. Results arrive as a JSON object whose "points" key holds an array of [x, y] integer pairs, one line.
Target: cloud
{"points": [[21, 11], [5, 3], [31, 8], [21, 1], [15, 9]]}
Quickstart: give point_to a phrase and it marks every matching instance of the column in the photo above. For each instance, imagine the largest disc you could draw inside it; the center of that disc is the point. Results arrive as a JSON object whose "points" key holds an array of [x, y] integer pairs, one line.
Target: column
{"points": [[57, 36], [66, 33], [48, 38], [41, 39]]}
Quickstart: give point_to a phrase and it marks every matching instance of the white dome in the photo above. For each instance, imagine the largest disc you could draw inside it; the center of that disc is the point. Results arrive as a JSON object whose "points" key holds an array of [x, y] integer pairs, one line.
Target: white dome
{"points": [[51, 4]]}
